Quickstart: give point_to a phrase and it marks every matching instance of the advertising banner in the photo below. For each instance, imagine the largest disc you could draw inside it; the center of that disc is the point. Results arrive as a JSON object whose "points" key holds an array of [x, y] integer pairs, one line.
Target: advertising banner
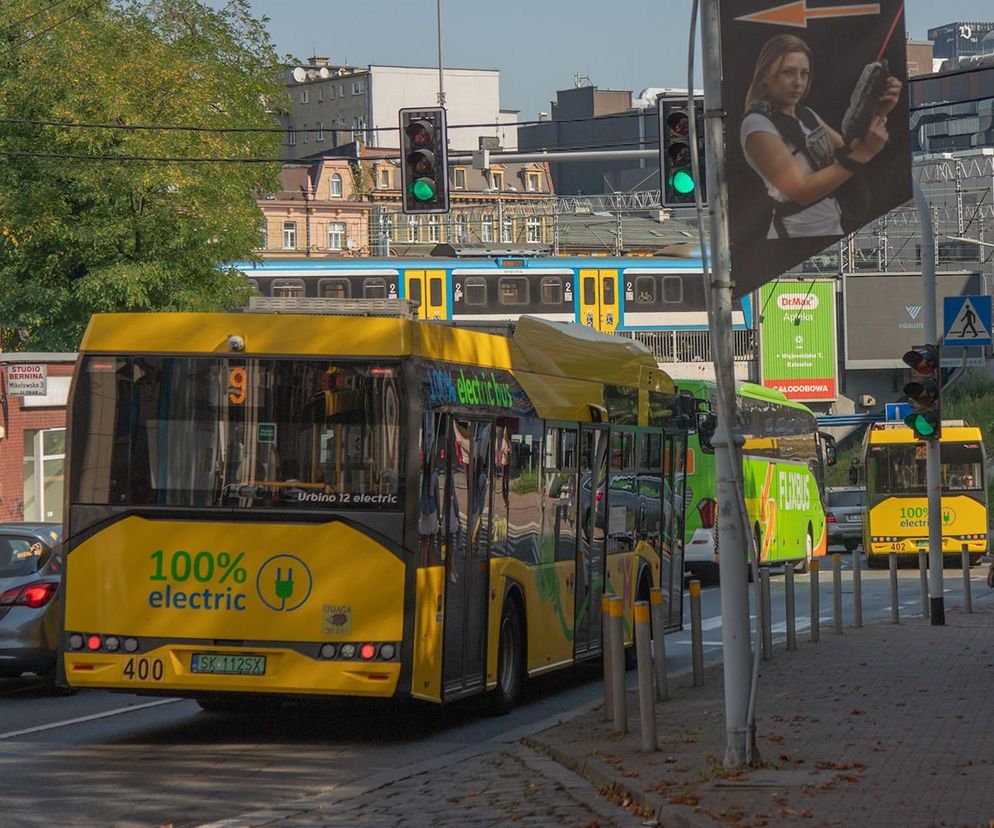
{"points": [[27, 379], [797, 339], [816, 134], [884, 315]]}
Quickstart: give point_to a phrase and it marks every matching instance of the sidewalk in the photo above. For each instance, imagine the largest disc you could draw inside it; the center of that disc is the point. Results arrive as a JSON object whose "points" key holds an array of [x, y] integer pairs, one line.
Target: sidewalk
{"points": [[886, 725]]}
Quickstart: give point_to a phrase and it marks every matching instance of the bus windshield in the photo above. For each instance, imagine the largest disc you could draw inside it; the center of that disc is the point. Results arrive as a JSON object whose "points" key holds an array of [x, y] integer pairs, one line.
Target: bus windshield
{"points": [[900, 469], [236, 432]]}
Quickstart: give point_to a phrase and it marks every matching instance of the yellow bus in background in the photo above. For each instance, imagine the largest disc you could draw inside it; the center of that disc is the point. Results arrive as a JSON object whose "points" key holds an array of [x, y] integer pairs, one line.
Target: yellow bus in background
{"points": [[339, 499], [896, 506]]}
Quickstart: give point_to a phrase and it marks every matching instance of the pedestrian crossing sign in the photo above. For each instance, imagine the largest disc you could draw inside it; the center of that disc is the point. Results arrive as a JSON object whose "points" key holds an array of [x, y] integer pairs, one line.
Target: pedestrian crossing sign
{"points": [[967, 321]]}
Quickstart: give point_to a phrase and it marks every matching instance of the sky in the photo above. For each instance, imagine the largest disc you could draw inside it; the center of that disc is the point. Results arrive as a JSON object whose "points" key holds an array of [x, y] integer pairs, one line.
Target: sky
{"points": [[538, 45]]}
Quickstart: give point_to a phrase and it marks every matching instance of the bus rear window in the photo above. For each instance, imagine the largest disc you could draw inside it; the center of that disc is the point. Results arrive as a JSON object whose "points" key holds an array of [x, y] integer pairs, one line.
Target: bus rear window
{"points": [[207, 432]]}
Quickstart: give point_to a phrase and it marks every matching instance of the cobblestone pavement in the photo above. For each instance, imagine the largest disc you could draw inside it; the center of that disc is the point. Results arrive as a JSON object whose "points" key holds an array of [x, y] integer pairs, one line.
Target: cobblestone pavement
{"points": [[511, 786]]}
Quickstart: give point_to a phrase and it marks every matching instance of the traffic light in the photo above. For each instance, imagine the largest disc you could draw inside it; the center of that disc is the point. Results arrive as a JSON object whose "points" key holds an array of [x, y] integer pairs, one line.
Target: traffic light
{"points": [[678, 185], [424, 172], [924, 392]]}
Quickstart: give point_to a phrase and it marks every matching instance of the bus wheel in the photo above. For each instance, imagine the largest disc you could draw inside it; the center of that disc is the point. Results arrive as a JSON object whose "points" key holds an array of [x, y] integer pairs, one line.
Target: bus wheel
{"points": [[510, 662], [809, 550]]}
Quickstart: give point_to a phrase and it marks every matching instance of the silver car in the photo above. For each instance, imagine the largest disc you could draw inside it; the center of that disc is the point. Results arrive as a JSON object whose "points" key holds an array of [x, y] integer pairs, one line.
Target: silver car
{"points": [[30, 580], [844, 516]]}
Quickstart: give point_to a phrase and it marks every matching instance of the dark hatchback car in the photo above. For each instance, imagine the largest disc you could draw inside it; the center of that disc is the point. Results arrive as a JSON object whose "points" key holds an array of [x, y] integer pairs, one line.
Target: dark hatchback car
{"points": [[30, 577], [844, 516]]}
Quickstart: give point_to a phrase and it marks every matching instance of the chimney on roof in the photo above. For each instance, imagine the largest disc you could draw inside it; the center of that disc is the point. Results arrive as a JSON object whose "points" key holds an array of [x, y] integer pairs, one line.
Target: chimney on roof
{"points": [[318, 60]]}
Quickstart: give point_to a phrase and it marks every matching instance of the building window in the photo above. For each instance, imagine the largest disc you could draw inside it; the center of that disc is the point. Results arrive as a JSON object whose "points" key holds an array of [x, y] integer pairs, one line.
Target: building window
{"points": [[356, 87], [263, 230], [335, 186], [289, 235], [534, 182], [552, 290], [305, 96], [533, 229], [412, 228], [645, 289], [487, 228], [336, 235], [332, 88], [288, 287], [341, 90], [497, 181], [513, 290], [462, 228], [433, 228], [384, 178], [459, 179], [320, 131], [672, 289], [374, 288], [507, 231], [476, 290], [306, 134], [334, 288], [44, 474], [291, 136], [320, 94]]}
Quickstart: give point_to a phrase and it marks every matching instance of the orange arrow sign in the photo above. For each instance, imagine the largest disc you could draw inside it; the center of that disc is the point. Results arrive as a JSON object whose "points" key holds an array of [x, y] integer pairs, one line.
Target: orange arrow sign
{"points": [[798, 14]]}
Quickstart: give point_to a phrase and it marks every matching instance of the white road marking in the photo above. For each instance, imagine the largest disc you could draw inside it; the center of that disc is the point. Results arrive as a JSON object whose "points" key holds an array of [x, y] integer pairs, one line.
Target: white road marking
{"points": [[93, 717]]}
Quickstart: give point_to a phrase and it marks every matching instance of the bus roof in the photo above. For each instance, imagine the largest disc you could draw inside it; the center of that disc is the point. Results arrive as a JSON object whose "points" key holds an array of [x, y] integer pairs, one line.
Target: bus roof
{"points": [[751, 390], [898, 433], [562, 368]]}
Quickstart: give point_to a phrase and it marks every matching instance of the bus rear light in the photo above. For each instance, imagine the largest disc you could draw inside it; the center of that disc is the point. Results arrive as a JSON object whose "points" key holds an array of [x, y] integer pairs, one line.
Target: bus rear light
{"points": [[130, 645], [328, 650], [93, 642], [112, 643], [75, 641], [707, 509], [367, 651], [387, 652], [348, 650]]}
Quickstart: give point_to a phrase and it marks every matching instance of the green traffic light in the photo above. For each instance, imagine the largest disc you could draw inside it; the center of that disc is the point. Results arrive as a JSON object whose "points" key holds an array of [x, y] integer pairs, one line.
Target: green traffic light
{"points": [[922, 423], [683, 182], [423, 189]]}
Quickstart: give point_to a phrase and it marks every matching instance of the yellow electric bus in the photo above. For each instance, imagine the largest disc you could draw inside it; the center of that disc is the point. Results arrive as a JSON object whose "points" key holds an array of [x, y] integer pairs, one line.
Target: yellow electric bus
{"points": [[324, 503], [895, 516]]}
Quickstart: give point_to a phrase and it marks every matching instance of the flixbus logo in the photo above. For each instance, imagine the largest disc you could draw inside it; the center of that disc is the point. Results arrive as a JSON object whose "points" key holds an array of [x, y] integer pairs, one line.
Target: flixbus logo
{"points": [[797, 301], [795, 493]]}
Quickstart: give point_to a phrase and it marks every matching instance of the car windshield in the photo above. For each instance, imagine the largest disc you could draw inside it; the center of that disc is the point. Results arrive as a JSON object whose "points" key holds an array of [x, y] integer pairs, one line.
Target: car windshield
{"points": [[843, 499], [242, 433], [21, 555]]}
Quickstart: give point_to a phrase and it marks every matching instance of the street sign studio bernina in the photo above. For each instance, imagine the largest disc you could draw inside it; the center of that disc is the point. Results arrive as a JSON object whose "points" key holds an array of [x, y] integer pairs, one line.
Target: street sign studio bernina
{"points": [[27, 380], [813, 133]]}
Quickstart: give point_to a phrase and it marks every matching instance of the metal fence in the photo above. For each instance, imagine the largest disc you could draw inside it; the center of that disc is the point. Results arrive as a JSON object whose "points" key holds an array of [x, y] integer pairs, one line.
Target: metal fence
{"points": [[693, 346]]}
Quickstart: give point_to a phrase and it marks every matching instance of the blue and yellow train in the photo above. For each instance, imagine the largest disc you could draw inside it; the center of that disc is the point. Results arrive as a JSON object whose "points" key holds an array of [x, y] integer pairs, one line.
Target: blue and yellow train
{"points": [[610, 295]]}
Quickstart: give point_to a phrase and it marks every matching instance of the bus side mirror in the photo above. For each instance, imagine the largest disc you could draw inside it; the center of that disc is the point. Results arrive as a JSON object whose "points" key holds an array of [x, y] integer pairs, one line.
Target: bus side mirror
{"points": [[831, 452], [706, 425], [854, 472]]}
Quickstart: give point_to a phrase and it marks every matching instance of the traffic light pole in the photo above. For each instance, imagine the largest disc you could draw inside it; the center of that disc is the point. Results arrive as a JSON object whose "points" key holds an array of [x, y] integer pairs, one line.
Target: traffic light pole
{"points": [[732, 561], [933, 475]]}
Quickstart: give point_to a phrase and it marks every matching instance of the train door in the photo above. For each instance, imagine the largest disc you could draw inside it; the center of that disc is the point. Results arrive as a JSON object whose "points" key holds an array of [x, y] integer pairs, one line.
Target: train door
{"points": [[427, 289], [469, 483], [599, 303], [591, 547]]}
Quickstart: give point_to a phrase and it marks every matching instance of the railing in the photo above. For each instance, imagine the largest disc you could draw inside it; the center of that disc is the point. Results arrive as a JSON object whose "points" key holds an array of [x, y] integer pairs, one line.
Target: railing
{"points": [[693, 346]]}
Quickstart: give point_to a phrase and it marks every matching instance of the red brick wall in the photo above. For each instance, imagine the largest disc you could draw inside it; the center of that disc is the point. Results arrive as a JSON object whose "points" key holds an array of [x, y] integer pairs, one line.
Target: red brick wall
{"points": [[17, 419]]}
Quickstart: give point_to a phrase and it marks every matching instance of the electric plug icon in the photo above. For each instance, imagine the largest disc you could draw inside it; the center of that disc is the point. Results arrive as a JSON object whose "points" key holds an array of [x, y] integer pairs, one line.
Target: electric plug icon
{"points": [[284, 588]]}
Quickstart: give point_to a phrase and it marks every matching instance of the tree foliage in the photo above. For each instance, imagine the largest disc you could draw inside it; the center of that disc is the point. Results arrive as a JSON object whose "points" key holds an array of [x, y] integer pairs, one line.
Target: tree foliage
{"points": [[83, 232]]}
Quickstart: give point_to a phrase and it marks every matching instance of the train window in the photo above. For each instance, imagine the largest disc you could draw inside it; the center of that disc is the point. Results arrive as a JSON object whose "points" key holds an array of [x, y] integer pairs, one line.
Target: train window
{"points": [[513, 290], [552, 290], [335, 288], [476, 290], [435, 292], [672, 289], [374, 288], [414, 291], [645, 289], [288, 287], [589, 294], [608, 291]]}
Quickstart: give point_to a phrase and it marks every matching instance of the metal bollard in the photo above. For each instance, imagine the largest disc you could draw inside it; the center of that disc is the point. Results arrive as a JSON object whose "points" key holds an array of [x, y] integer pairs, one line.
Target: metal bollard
{"points": [[815, 608], [788, 579], [764, 612], [857, 589], [895, 612], [696, 634], [647, 694], [967, 593], [606, 654], [617, 632], [657, 608], [923, 580], [837, 593]]}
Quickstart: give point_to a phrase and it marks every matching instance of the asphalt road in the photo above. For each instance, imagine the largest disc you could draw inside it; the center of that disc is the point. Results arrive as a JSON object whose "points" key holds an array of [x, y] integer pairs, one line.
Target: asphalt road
{"points": [[112, 759]]}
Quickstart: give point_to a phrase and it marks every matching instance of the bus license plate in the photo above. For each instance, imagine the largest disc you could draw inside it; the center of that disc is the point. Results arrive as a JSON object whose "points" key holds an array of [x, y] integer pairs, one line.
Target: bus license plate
{"points": [[222, 664]]}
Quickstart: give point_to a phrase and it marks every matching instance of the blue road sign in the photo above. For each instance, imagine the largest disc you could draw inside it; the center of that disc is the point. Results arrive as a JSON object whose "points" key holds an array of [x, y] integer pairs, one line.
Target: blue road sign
{"points": [[967, 321], [896, 412]]}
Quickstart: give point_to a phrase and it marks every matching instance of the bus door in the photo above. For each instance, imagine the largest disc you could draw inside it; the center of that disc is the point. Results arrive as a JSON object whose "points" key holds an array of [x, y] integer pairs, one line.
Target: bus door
{"points": [[674, 517], [592, 539], [599, 307], [469, 484], [427, 289]]}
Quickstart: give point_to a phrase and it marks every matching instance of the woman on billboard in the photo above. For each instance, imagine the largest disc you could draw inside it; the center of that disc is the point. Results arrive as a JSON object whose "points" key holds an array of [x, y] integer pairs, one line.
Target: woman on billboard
{"points": [[802, 161]]}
